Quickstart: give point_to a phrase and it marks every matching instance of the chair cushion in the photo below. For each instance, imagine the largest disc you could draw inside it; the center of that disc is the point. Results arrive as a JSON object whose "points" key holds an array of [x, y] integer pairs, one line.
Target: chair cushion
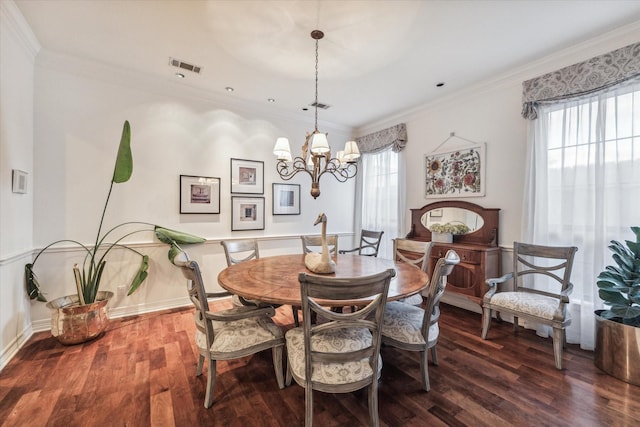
{"points": [[413, 300], [239, 334], [335, 341], [403, 322], [529, 303]]}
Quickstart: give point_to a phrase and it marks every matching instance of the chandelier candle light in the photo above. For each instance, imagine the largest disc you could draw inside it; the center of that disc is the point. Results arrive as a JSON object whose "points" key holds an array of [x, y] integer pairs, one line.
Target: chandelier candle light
{"points": [[316, 160]]}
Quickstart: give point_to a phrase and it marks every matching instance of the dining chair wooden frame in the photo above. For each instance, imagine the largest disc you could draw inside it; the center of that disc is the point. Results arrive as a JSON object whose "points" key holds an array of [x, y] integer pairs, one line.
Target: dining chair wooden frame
{"points": [[237, 251], [413, 328], [342, 353], [229, 334], [539, 306], [369, 243]]}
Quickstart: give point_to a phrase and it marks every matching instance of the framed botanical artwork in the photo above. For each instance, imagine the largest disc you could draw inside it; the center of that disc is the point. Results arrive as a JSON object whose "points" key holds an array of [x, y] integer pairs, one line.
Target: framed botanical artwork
{"points": [[19, 181], [199, 195], [247, 176], [286, 199], [247, 213], [458, 173]]}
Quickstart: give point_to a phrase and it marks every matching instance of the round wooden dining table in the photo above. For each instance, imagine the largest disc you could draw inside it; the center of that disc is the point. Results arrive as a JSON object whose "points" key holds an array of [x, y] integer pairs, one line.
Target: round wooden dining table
{"points": [[275, 279]]}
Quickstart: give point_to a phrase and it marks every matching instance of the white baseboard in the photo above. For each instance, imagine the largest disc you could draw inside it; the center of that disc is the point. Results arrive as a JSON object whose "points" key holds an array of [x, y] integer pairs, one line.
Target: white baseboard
{"points": [[14, 346], [115, 313]]}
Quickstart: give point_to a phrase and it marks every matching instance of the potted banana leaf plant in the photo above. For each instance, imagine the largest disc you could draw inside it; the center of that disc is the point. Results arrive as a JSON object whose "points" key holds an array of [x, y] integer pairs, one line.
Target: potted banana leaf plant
{"points": [[81, 317], [617, 349]]}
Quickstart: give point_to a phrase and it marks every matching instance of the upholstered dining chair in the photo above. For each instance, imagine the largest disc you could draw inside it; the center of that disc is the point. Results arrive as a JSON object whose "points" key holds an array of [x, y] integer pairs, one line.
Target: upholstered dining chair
{"points": [[550, 265], [369, 243], [341, 354], [229, 334], [415, 253], [237, 251], [314, 244], [412, 328]]}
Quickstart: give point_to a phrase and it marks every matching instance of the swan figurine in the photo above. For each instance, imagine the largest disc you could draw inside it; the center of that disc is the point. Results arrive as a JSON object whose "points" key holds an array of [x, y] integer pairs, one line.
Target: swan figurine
{"points": [[321, 263]]}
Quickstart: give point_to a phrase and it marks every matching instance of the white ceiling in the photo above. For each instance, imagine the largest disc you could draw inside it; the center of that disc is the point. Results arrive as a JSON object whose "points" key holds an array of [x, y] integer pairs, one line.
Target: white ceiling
{"points": [[377, 57]]}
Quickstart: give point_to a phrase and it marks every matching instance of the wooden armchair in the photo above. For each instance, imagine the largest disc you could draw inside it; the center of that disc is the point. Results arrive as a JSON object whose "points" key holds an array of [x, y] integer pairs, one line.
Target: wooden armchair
{"points": [[412, 328], [369, 243], [229, 334], [342, 354], [545, 307]]}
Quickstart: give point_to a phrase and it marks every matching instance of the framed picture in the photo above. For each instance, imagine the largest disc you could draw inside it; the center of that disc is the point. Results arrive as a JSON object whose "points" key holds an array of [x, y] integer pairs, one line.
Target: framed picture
{"points": [[19, 181], [247, 176], [458, 173], [286, 199], [199, 194], [247, 213]]}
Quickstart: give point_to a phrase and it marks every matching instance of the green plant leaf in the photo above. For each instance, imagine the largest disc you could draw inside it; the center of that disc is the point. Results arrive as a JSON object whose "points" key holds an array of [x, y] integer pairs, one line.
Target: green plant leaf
{"points": [[140, 276], [627, 312], [612, 298], [613, 280], [174, 251], [168, 236], [124, 159], [33, 287]]}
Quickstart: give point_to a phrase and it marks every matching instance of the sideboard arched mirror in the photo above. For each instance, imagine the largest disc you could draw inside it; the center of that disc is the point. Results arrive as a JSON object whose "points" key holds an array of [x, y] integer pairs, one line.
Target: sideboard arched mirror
{"points": [[478, 248]]}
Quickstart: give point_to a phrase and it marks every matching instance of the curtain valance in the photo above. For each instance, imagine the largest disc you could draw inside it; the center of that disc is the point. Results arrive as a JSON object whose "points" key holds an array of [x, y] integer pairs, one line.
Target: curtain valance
{"points": [[395, 136], [582, 78]]}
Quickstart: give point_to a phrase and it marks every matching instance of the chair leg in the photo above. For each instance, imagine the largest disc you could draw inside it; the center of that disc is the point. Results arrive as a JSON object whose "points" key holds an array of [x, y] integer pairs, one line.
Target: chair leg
{"points": [[434, 356], [558, 341], [211, 379], [308, 412], [200, 365], [373, 403], [294, 310], [486, 322], [276, 352], [424, 370], [287, 381]]}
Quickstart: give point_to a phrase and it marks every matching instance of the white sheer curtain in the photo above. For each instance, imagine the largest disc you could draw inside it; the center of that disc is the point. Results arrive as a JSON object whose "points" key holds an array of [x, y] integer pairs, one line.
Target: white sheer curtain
{"points": [[382, 196], [583, 187]]}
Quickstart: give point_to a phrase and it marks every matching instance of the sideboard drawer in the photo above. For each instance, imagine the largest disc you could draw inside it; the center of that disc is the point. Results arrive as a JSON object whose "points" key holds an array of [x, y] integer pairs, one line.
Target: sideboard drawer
{"points": [[468, 256]]}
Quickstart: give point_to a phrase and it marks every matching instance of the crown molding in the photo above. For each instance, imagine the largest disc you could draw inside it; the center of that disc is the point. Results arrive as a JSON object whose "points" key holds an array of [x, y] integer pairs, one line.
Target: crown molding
{"points": [[18, 26], [95, 70], [582, 51]]}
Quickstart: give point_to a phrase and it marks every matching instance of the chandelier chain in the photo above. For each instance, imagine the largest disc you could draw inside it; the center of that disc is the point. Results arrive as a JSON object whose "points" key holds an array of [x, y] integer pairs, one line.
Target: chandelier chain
{"points": [[319, 162], [316, 103]]}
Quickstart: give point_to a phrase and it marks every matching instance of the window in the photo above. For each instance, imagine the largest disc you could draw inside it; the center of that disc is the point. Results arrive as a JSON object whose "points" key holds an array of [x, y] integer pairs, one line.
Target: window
{"points": [[584, 186], [382, 197]]}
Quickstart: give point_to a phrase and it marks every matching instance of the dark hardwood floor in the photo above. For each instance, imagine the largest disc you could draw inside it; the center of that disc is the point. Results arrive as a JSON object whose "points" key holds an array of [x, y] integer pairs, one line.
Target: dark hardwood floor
{"points": [[142, 373]]}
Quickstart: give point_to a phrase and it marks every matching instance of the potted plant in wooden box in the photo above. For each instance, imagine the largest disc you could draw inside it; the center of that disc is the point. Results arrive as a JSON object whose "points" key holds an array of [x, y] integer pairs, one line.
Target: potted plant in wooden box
{"points": [[617, 350], [83, 316]]}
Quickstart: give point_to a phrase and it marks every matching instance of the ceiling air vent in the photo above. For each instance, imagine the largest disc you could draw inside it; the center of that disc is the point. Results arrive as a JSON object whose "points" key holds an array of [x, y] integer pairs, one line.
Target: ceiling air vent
{"points": [[185, 66], [320, 105]]}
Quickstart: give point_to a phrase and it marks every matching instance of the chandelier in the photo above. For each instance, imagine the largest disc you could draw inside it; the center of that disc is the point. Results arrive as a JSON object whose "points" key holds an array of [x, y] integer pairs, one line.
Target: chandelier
{"points": [[316, 157]]}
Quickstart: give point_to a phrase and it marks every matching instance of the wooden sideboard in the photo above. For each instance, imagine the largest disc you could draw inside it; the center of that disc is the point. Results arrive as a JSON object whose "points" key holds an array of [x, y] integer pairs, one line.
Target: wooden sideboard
{"points": [[478, 250]]}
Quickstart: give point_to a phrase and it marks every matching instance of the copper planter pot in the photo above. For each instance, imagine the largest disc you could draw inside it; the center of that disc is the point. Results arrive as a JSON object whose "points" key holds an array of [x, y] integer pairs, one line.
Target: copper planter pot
{"points": [[72, 323], [617, 349]]}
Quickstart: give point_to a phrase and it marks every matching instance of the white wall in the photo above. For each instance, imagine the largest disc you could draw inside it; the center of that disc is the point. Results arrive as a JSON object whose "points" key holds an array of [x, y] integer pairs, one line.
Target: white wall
{"points": [[18, 48], [80, 109], [490, 113]]}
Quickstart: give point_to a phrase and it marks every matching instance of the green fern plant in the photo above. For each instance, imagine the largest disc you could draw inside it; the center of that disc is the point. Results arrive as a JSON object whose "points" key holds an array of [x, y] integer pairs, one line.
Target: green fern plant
{"points": [[88, 276], [619, 285]]}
